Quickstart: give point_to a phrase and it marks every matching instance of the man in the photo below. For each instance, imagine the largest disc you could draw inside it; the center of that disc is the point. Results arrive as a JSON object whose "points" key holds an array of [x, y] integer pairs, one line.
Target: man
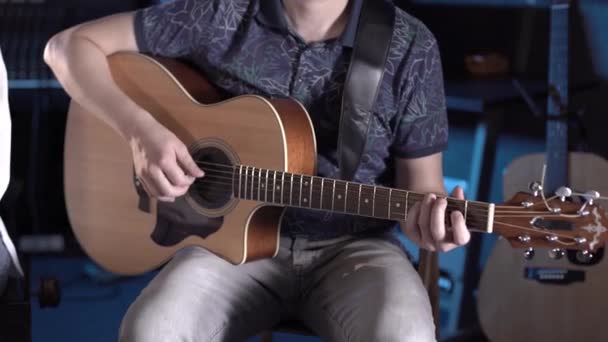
{"points": [[343, 276]]}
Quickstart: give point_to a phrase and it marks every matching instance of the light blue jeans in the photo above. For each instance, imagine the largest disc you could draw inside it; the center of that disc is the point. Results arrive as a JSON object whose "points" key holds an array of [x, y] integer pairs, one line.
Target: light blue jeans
{"points": [[345, 289]]}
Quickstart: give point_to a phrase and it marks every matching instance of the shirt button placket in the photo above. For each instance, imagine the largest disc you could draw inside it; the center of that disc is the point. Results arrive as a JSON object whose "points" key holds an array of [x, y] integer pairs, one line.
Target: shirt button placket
{"points": [[297, 82]]}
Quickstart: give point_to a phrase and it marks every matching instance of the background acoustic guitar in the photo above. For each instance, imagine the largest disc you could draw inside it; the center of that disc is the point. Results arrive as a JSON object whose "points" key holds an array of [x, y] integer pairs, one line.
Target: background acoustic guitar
{"points": [[259, 156], [554, 294]]}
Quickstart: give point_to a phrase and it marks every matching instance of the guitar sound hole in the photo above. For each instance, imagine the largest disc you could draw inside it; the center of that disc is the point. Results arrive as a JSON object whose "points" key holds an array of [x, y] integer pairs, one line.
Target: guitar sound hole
{"points": [[214, 190]]}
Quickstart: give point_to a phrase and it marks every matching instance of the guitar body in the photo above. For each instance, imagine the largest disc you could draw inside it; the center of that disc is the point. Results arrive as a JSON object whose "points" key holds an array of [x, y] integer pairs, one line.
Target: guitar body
{"points": [[112, 217], [513, 308]]}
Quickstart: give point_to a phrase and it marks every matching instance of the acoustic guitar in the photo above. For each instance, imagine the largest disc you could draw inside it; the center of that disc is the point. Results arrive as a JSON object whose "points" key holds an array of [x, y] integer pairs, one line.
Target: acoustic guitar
{"points": [[550, 294], [259, 156]]}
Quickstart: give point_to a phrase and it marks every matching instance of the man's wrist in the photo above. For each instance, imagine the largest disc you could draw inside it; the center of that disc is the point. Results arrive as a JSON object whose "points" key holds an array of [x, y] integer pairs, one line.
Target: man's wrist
{"points": [[133, 120]]}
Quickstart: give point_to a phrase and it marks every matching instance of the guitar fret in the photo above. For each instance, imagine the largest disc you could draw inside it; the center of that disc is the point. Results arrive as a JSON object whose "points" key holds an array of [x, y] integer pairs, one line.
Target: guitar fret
{"points": [[307, 184], [381, 194], [333, 195], [301, 181], [366, 202], [240, 177], [316, 199], [359, 206], [345, 196], [321, 200], [274, 184], [339, 193], [266, 191], [282, 187], [466, 209], [398, 199], [291, 191], [252, 183], [407, 197], [233, 183], [310, 196], [259, 184], [374, 202], [390, 204], [327, 194], [246, 175]]}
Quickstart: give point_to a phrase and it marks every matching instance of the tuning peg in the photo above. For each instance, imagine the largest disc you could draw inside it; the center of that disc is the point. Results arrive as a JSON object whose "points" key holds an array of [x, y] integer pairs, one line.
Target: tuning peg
{"points": [[580, 240], [529, 253], [591, 196], [536, 188], [527, 204], [584, 256], [562, 192], [556, 253], [524, 238], [551, 238], [582, 211], [556, 210]]}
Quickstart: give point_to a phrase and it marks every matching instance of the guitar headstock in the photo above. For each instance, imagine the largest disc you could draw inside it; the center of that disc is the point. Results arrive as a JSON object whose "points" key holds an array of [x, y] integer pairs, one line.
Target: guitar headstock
{"points": [[568, 220]]}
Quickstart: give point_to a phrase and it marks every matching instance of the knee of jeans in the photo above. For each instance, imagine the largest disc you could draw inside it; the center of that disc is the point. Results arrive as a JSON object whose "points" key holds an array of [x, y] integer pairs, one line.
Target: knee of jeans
{"points": [[136, 326], [405, 318], [418, 329], [148, 320]]}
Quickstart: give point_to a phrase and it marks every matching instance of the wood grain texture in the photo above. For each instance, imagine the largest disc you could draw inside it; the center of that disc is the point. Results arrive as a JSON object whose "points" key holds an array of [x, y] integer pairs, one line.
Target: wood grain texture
{"points": [[512, 308], [263, 233], [101, 199]]}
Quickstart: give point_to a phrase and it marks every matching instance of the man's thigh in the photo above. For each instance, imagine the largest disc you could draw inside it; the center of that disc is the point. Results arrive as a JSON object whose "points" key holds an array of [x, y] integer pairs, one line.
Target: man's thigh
{"points": [[367, 290], [198, 296]]}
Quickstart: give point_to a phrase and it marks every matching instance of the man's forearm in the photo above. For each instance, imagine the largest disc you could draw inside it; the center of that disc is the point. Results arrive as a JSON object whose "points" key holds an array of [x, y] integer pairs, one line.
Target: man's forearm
{"points": [[81, 66]]}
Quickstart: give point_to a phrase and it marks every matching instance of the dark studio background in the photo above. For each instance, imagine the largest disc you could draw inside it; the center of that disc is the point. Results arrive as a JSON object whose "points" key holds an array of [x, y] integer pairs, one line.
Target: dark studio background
{"points": [[93, 302]]}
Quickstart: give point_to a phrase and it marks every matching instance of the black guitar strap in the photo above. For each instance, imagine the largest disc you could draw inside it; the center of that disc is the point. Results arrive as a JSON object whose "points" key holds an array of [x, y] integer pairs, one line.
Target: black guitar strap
{"points": [[372, 42]]}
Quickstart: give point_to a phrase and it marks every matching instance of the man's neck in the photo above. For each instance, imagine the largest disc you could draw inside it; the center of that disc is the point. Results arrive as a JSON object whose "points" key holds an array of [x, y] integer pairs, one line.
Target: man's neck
{"points": [[317, 20]]}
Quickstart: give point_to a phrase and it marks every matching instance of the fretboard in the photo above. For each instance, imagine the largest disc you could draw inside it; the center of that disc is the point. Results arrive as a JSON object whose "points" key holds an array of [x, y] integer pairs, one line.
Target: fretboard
{"points": [[319, 193]]}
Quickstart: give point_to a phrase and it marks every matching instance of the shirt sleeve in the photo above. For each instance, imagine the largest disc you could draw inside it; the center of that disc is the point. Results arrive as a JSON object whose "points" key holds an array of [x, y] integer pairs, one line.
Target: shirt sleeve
{"points": [[175, 28], [422, 125]]}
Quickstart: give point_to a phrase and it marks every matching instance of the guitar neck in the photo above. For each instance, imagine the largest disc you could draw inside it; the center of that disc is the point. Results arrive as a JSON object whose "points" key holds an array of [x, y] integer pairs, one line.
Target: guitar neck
{"points": [[319, 193]]}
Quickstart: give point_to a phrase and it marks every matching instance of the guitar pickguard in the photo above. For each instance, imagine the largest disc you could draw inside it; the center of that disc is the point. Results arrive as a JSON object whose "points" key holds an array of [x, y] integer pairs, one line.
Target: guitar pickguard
{"points": [[177, 220]]}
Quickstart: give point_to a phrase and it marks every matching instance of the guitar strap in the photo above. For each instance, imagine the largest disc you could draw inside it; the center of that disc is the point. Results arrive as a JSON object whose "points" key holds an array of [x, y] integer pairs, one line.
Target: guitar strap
{"points": [[361, 88]]}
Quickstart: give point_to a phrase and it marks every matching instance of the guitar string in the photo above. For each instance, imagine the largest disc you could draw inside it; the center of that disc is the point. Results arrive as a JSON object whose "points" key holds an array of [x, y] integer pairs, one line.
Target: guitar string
{"points": [[399, 215], [231, 180], [403, 216], [498, 206], [356, 191], [254, 177], [254, 195], [285, 202], [328, 197], [392, 215]]}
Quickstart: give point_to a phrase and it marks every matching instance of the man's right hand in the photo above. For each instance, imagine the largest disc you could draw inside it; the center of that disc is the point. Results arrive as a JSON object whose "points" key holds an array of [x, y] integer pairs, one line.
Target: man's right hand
{"points": [[78, 57], [162, 161]]}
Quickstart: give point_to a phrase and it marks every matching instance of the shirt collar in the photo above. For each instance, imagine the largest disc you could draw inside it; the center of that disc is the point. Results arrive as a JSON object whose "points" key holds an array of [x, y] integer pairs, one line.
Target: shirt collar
{"points": [[271, 14]]}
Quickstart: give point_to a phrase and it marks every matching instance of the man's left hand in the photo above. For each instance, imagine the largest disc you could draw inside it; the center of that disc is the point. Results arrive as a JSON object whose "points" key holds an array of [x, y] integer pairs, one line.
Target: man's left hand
{"points": [[425, 224]]}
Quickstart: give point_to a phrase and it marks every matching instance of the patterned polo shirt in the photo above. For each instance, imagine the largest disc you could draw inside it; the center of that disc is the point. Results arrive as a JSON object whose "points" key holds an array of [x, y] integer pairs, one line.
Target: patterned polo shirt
{"points": [[247, 47]]}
